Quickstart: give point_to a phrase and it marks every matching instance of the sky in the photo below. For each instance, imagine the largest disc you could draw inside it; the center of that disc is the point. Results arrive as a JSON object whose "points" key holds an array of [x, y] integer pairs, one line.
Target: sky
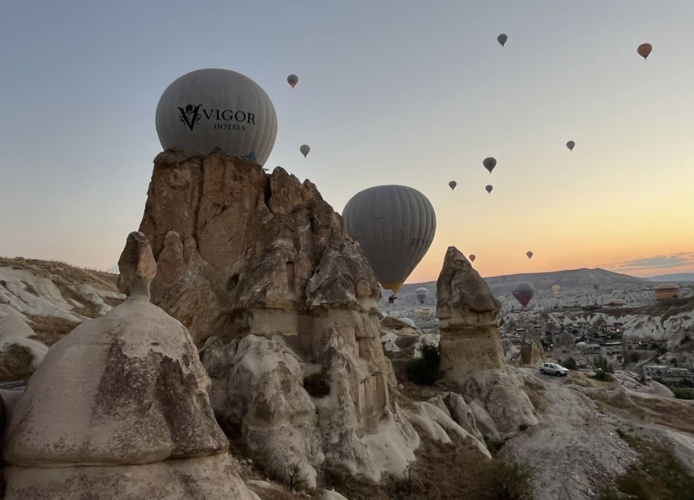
{"points": [[390, 92]]}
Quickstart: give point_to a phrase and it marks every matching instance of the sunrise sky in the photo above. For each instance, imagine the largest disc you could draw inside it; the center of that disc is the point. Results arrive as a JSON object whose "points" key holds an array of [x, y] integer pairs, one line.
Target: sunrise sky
{"points": [[390, 92]]}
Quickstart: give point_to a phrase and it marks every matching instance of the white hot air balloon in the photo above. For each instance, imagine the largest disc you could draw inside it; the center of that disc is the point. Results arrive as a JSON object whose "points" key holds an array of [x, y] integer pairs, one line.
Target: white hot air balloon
{"points": [[421, 294], [394, 226], [305, 150], [217, 108]]}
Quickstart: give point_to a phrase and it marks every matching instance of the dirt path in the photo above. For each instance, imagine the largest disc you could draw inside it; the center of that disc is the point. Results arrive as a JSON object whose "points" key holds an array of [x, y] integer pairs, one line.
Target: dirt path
{"points": [[575, 448]]}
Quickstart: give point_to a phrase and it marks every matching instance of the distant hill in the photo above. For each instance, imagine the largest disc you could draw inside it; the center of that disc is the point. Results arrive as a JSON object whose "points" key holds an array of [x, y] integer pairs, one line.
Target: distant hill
{"points": [[673, 277]]}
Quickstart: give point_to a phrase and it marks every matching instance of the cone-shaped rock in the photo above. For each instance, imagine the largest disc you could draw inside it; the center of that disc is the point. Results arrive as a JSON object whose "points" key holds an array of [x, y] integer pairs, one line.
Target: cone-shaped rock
{"points": [[114, 402]]}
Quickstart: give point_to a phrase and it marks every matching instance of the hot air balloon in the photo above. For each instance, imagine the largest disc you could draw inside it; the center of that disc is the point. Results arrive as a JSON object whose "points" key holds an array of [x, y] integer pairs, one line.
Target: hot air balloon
{"points": [[556, 289], [292, 80], [524, 292], [305, 150], [421, 294], [644, 50], [596, 286], [208, 109], [570, 145], [472, 257], [502, 39], [529, 254], [452, 184], [667, 291], [395, 226], [489, 163], [489, 188]]}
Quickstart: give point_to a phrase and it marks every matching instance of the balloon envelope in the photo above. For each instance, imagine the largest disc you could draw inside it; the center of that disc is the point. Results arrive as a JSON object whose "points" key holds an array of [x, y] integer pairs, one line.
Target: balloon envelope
{"points": [[489, 163], [421, 294], [217, 108], [524, 292], [472, 257], [452, 184], [489, 188], [502, 39], [667, 291], [305, 150], [293, 80], [395, 226], [556, 289], [570, 145], [644, 50], [529, 254]]}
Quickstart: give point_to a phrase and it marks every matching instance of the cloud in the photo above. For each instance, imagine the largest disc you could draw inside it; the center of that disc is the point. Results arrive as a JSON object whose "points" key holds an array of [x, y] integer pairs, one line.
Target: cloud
{"points": [[657, 261]]}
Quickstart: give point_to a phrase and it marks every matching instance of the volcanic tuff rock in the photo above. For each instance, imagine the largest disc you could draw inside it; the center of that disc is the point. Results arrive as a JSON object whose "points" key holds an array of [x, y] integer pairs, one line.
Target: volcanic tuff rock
{"points": [[471, 351], [262, 271], [114, 402]]}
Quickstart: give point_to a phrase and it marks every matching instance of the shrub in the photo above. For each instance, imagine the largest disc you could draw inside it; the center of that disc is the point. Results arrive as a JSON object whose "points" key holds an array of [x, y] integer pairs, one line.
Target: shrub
{"points": [[425, 370], [682, 392], [570, 363], [601, 375], [601, 363], [506, 479]]}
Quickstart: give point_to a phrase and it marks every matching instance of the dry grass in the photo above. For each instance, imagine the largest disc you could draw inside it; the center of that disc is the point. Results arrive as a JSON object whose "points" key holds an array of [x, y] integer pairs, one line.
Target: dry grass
{"points": [[673, 413], [536, 393], [49, 329]]}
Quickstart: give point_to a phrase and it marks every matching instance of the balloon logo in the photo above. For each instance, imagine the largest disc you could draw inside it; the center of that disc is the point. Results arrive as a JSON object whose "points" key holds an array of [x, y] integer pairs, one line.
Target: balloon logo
{"points": [[489, 163], [570, 145], [452, 184], [489, 188], [292, 80], [472, 257], [529, 254], [502, 39], [394, 226], [644, 50], [305, 150]]}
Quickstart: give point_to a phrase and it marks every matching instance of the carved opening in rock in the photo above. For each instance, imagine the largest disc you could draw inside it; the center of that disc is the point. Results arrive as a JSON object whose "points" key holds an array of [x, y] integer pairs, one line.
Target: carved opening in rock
{"points": [[232, 282], [290, 276], [316, 385]]}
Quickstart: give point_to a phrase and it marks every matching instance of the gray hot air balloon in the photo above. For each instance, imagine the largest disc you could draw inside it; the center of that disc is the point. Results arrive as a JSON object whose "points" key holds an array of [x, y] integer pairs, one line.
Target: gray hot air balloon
{"points": [[292, 80], [524, 292], [217, 108], [489, 188], [305, 150], [452, 184], [489, 163], [421, 294], [395, 226], [502, 39], [570, 145]]}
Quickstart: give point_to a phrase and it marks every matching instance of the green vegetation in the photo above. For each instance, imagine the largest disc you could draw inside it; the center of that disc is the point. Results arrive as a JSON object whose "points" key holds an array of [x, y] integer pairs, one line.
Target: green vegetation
{"points": [[659, 475], [602, 375], [682, 392], [570, 363], [506, 479], [601, 363], [425, 370]]}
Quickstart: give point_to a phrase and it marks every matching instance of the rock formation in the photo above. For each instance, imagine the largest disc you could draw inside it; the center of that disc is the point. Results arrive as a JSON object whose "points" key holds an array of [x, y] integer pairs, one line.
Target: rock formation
{"points": [[531, 351], [261, 270], [119, 409], [471, 352], [20, 355]]}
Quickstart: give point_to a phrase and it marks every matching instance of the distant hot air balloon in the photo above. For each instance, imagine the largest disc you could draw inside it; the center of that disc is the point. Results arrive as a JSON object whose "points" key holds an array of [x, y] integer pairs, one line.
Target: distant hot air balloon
{"points": [[395, 226], [556, 289], [644, 50], [524, 292], [452, 184], [489, 188], [529, 254], [305, 150], [667, 291], [421, 294], [502, 39], [489, 163], [570, 145], [596, 286], [472, 257], [292, 80]]}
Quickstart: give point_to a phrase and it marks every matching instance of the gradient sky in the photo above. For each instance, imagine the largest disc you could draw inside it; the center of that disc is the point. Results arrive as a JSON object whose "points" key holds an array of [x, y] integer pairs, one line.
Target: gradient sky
{"points": [[390, 92]]}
